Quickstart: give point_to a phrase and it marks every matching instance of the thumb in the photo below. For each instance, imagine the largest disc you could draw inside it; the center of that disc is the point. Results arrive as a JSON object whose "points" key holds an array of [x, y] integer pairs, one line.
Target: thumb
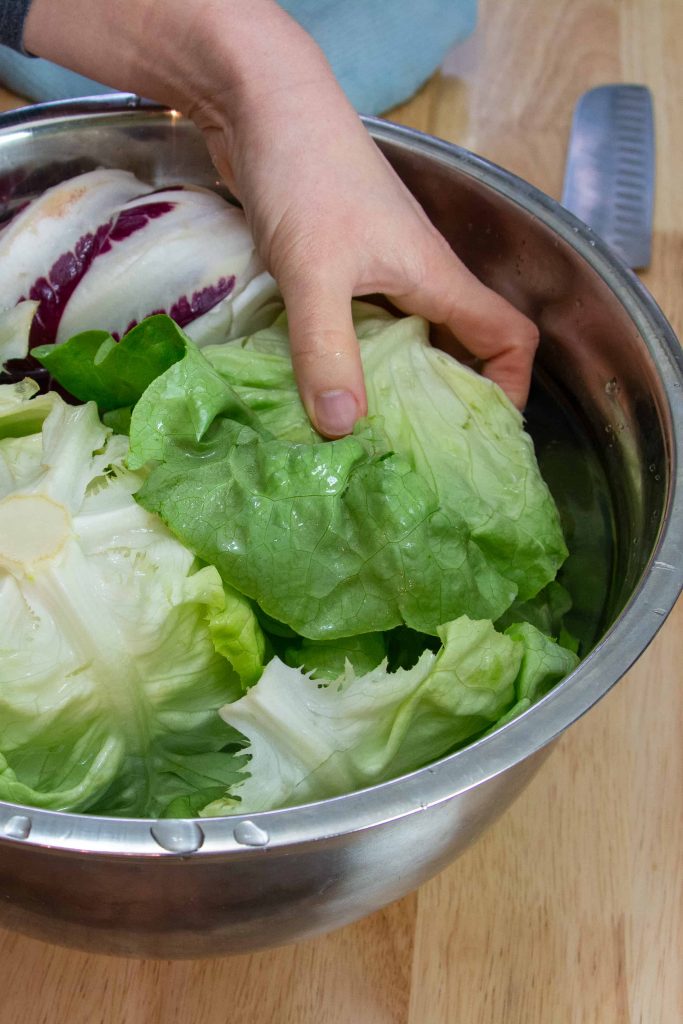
{"points": [[325, 354]]}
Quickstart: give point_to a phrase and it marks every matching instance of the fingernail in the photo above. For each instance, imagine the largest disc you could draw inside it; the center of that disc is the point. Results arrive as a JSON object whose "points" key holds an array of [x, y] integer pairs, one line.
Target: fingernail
{"points": [[335, 412]]}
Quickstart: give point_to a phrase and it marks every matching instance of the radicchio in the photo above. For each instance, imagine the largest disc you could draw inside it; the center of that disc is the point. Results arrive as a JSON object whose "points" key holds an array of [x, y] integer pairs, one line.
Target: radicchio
{"points": [[45, 249], [103, 251]]}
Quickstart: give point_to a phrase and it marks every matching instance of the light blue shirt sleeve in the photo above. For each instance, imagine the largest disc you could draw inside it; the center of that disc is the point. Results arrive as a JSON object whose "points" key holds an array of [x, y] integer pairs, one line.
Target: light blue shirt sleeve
{"points": [[380, 50]]}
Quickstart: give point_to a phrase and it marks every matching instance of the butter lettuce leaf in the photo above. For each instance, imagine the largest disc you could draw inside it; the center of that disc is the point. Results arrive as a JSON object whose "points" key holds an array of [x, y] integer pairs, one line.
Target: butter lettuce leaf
{"points": [[455, 428], [331, 538]]}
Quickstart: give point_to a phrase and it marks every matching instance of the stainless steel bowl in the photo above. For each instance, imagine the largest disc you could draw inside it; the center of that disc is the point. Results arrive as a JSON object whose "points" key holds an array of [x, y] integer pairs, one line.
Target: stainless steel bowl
{"points": [[608, 420]]}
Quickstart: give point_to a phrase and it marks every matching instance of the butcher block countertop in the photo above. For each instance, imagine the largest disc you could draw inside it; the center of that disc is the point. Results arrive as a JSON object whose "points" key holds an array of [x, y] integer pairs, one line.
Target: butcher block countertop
{"points": [[568, 911]]}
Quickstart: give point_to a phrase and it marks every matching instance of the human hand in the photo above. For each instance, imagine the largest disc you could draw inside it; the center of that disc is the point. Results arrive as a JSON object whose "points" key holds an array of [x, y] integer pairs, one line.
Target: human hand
{"points": [[332, 220], [330, 217]]}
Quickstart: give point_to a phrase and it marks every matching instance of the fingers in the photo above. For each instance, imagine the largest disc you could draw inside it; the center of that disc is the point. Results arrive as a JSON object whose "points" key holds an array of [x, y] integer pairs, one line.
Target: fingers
{"points": [[325, 351], [481, 320], [325, 354]]}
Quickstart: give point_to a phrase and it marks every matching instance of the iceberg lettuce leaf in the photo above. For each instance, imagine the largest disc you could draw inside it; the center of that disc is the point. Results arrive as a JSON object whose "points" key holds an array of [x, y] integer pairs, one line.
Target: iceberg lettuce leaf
{"points": [[109, 679], [310, 740]]}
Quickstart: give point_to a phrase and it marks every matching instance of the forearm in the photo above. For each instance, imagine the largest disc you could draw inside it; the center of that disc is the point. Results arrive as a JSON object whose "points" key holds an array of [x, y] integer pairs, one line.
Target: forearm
{"points": [[189, 54]]}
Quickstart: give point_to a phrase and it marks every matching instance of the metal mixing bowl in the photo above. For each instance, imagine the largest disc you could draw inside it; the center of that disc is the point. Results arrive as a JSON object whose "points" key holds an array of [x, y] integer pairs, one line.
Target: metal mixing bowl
{"points": [[607, 415]]}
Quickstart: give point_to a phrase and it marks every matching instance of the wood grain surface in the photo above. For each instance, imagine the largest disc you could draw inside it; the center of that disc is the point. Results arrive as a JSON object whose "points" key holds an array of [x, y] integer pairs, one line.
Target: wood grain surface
{"points": [[569, 911]]}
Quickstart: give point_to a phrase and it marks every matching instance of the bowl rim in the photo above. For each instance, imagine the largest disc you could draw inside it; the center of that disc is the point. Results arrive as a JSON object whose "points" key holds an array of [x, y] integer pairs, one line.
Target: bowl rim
{"points": [[624, 642]]}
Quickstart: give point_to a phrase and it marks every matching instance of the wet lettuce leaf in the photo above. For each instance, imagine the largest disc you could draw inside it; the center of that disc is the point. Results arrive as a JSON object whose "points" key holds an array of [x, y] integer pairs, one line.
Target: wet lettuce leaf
{"points": [[455, 428], [332, 538], [310, 740]]}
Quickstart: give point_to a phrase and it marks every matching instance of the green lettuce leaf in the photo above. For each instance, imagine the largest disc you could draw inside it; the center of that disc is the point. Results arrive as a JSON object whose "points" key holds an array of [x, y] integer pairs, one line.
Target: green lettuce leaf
{"points": [[259, 368], [456, 429], [327, 659], [333, 538], [309, 741], [544, 664], [470, 514], [264, 379], [237, 635], [93, 366], [483, 467], [180, 405]]}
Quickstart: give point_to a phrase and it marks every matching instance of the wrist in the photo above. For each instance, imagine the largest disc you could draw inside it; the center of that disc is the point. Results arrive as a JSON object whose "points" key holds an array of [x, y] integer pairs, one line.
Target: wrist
{"points": [[221, 62]]}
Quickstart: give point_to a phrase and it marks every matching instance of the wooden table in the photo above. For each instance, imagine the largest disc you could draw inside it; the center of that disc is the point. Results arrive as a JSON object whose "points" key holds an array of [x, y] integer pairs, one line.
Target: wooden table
{"points": [[569, 910]]}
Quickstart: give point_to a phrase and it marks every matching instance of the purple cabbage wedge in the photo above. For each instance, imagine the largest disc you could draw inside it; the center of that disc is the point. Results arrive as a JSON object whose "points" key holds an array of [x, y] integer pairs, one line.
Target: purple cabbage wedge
{"points": [[103, 251]]}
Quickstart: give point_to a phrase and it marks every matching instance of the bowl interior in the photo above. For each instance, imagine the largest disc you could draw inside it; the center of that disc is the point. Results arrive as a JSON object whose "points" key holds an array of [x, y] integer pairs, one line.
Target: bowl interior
{"points": [[599, 411]]}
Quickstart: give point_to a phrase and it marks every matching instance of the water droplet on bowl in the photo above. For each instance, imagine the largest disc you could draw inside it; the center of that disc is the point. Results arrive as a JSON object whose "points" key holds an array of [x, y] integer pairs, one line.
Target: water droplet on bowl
{"points": [[18, 827], [248, 833], [178, 836]]}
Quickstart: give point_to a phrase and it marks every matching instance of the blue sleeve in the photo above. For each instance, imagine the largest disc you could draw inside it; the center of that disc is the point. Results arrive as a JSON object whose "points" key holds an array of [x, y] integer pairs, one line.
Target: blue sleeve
{"points": [[383, 50], [12, 17]]}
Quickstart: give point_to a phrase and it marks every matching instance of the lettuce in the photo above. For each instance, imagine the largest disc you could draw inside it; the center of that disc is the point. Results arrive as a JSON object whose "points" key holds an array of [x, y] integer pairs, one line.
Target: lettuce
{"points": [[354, 609], [483, 467], [327, 659], [331, 538], [93, 366], [382, 528], [455, 428], [110, 680], [309, 740]]}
